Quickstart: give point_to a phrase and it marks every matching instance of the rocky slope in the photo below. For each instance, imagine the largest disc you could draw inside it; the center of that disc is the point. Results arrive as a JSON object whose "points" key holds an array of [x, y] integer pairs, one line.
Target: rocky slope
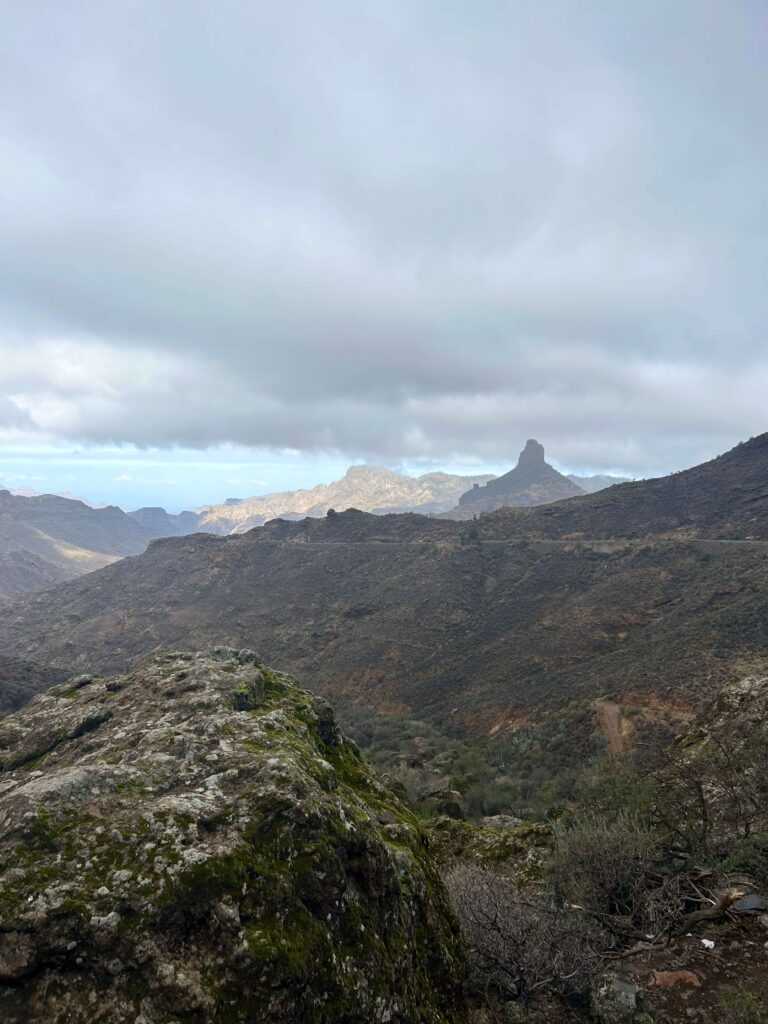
{"points": [[48, 538], [474, 625], [532, 482], [197, 842]]}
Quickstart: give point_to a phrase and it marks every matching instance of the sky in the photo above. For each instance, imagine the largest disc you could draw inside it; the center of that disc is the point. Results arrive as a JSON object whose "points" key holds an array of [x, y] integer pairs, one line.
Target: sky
{"points": [[245, 244]]}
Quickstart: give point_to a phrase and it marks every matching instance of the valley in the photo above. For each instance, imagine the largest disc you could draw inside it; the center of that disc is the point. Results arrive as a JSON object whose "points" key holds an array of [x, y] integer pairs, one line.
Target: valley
{"points": [[506, 674], [652, 591]]}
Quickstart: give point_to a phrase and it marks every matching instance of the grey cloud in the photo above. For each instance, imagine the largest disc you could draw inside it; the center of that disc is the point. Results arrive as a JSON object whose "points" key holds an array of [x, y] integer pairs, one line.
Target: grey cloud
{"points": [[397, 230]]}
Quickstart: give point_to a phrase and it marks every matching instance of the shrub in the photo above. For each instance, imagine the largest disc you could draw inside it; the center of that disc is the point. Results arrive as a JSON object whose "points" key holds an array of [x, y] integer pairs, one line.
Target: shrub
{"points": [[519, 942]]}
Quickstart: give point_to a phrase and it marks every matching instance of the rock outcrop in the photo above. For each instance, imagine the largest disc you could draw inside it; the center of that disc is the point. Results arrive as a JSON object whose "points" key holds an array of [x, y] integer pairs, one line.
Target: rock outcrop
{"points": [[532, 482], [197, 842]]}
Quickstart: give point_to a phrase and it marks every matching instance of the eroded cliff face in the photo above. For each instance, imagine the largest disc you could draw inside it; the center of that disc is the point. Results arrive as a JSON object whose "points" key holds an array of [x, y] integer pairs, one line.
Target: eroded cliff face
{"points": [[197, 842]]}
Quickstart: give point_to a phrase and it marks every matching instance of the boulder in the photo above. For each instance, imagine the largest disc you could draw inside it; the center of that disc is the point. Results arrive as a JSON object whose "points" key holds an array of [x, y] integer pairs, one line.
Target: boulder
{"points": [[197, 842], [442, 802], [617, 999]]}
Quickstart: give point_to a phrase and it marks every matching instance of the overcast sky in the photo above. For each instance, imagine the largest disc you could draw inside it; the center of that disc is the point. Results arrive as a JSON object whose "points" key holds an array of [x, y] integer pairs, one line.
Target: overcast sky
{"points": [[410, 231]]}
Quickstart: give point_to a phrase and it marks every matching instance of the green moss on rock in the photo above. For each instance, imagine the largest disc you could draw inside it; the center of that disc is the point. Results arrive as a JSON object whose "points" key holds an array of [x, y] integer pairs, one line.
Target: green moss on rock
{"points": [[212, 850]]}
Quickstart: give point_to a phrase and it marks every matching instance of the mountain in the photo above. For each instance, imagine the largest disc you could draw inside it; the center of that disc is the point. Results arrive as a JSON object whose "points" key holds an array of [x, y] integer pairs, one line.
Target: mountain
{"points": [[654, 592], [199, 842], [532, 482], [599, 482], [724, 498], [45, 538], [30, 492], [160, 523], [368, 488]]}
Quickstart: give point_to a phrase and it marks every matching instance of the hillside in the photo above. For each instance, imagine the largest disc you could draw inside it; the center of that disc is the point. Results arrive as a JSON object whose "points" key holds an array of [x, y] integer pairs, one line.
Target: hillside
{"points": [[45, 538], [21, 571], [532, 482], [20, 680], [472, 625], [726, 497]]}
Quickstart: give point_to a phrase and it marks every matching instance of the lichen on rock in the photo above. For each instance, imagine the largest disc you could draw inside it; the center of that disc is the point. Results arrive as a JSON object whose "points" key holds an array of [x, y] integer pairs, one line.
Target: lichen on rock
{"points": [[197, 842]]}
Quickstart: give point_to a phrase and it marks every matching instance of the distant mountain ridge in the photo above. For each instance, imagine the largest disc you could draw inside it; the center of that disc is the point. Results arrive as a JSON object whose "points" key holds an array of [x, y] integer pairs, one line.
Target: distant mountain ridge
{"points": [[30, 492], [373, 489], [46, 538], [369, 488], [657, 590], [532, 482], [597, 482], [51, 538]]}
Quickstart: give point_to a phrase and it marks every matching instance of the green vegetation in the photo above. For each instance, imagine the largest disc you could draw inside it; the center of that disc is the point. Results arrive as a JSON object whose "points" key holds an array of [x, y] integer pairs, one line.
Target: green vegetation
{"points": [[530, 772], [650, 848], [740, 1006]]}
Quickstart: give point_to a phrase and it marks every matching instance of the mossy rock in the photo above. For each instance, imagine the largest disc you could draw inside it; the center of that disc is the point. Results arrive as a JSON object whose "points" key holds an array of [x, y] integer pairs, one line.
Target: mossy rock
{"points": [[197, 842], [519, 849]]}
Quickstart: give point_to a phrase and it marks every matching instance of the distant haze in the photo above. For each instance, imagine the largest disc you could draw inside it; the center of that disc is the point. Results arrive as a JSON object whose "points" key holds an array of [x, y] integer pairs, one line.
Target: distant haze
{"points": [[409, 234]]}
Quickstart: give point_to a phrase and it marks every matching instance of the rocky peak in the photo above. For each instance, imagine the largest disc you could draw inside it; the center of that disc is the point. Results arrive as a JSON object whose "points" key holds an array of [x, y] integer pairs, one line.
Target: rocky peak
{"points": [[532, 482], [197, 841], [532, 454]]}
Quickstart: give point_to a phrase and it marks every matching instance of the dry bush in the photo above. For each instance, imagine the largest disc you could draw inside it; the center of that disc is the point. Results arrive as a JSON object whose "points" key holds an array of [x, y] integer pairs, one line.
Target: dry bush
{"points": [[715, 795], [519, 942], [608, 868], [618, 873]]}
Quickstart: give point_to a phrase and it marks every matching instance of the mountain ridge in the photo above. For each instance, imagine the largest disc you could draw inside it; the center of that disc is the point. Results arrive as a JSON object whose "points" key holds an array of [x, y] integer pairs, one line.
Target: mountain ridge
{"points": [[44, 538], [373, 489], [470, 624]]}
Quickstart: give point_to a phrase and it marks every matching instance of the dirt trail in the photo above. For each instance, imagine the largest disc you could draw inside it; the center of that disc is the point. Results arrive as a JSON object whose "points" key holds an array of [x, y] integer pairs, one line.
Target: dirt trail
{"points": [[610, 720]]}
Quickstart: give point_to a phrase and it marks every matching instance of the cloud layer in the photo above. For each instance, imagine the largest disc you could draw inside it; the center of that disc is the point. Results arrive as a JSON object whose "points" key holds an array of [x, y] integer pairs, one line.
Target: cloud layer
{"points": [[394, 230]]}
